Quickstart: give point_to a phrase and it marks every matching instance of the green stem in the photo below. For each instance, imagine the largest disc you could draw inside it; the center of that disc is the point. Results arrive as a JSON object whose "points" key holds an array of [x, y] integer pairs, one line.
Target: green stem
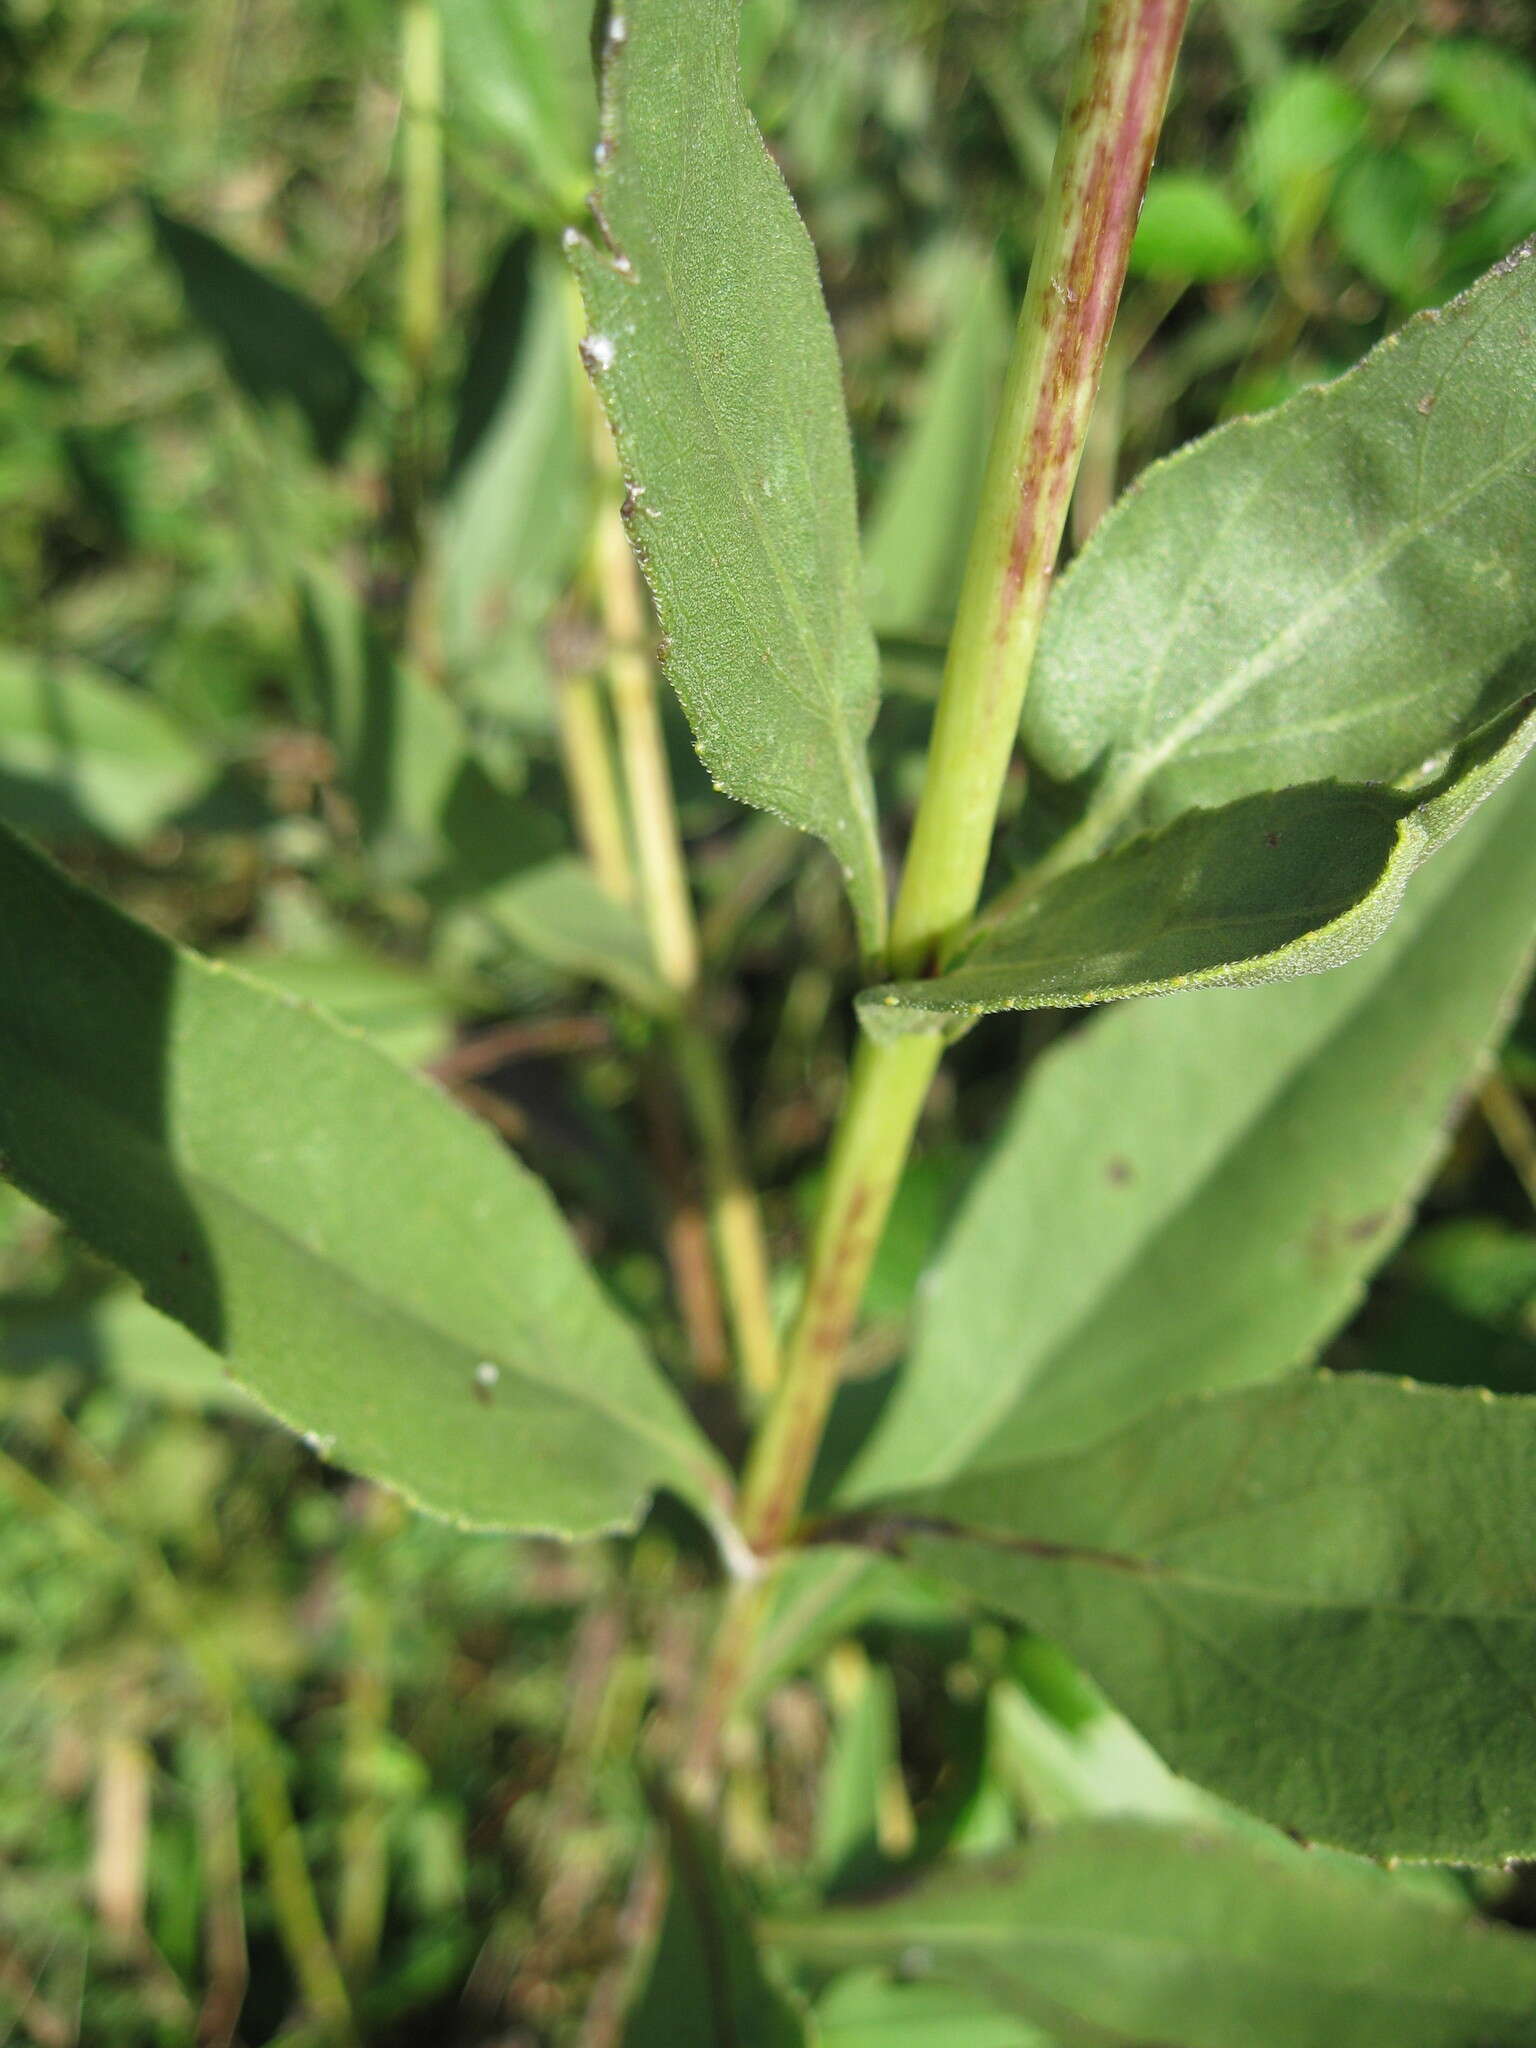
{"points": [[874, 1134], [421, 185], [1103, 159], [421, 293]]}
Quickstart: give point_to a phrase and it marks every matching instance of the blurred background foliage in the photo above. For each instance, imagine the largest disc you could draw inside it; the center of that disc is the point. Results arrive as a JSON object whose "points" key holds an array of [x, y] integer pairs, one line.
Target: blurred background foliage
{"points": [[295, 589]]}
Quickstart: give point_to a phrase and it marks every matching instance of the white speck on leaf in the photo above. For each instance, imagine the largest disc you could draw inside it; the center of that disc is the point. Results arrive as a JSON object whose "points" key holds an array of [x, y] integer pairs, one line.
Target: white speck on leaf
{"points": [[487, 1373]]}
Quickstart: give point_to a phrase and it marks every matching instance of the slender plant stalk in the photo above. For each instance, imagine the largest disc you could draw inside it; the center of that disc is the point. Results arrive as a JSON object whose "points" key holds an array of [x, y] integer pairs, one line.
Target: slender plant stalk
{"points": [[668, 907], [421, 183], [587, 759], [1103, 158]]}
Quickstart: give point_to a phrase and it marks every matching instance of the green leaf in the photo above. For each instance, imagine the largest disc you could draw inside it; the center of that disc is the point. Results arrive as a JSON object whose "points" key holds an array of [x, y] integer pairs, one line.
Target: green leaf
{"points": [[867, 2010], [1127, 1933], [1264, 889], [373, 1265], [1458, 1308], [1190, 230], [1300, 131], [1191, 1193], [81, 753], [520, 70], [277, 346], [863, 1756], [1211, 646], [430, 810], [515, 519], [920, 523], [707, 1986], [497, 331], [122, 1336], [560, 915], [1387, 218], [712, 351], [1488, 93], [1340, 589], [1313, 1598]]}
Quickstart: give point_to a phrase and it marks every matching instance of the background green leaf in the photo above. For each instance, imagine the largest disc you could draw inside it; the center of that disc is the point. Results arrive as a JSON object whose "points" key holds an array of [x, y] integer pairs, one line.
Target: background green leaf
{"points": [[712, 351], [82, 753], [1190, 230], [278, 347], [707, 1984], [372, 1264], [1125, 1932]]}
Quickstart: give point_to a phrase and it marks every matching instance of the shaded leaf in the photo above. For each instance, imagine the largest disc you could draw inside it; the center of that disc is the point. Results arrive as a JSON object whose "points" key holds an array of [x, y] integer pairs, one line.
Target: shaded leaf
{"points": [[1269, 887], [278, 347], [121, 1336], [1125, 1932], [707, 1985], [374, 1266], [81, 752], [711, 349], [1260, 1158], [1314, 1598]]}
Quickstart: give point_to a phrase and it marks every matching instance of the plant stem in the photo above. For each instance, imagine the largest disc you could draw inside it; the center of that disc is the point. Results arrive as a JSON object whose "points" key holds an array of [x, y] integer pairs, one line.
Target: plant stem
{"points": [[421, 185], [668, 908], [1103, 159], [886, 1091], [588, 763]]}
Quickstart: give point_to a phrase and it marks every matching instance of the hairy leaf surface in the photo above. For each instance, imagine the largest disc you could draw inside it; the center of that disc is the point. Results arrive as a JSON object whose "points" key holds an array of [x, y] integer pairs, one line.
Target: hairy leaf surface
{"points": [[1331, 590], [1127, 1932], [1266, 888], [1191, 1193], [1317, 1598], [372, 1264], [712, 352]]}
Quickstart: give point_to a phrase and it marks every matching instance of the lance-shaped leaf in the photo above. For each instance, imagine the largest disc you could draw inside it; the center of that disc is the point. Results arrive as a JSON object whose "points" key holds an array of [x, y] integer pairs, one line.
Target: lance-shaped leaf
{"points": [[1317, 1598], [372, 1264], [712, 351], [278, 347], [707, 1985], [1128, 1932], [1191, 1193], [1329, 591], [1267, 888]]}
